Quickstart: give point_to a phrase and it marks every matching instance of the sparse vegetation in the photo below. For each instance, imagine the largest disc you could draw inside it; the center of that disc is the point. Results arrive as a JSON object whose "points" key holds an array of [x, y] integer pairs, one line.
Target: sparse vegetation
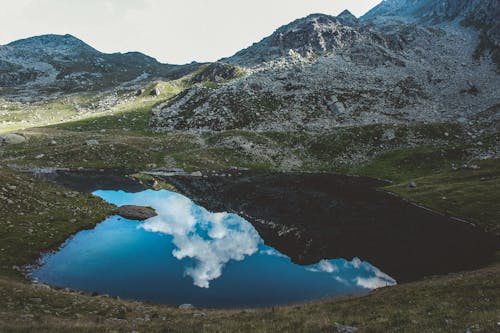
{"points": [[38, 216]]}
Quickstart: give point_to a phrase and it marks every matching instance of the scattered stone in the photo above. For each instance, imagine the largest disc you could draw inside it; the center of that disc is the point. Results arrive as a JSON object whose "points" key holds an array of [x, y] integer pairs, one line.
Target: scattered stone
{"points": [[92, 142], [412, 184], [136, 213], [187, 307], [139, 92], [40, 156], [196, 174], [389, 134], [53, 143], [41, 286], [344, 329]]}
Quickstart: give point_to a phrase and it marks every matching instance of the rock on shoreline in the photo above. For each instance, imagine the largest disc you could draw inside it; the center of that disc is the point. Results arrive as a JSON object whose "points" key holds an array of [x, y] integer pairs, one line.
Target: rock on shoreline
{"points": [[138, 213]]}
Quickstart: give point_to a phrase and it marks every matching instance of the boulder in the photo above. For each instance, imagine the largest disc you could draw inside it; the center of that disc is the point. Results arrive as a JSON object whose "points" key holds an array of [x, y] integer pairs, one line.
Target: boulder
{"points": [[389, 134], [412, 185], [11, 139], [139, 92], [344, 328], [155, 92], [92, 142], [137, 213], [187, 307]]}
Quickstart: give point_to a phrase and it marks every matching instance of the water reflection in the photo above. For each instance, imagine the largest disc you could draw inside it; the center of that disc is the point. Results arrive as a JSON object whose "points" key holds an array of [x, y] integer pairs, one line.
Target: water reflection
{"points": [[188, 254]]}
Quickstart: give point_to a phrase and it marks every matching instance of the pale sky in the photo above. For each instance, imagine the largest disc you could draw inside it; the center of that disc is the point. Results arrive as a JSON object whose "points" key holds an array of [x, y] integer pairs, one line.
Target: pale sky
{"points": [[172, 31]]}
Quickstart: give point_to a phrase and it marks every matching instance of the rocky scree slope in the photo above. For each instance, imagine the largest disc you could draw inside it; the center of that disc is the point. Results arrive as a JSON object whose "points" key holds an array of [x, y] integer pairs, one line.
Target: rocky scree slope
{"points": [[483, 15], [323, 71], [50, 65]]}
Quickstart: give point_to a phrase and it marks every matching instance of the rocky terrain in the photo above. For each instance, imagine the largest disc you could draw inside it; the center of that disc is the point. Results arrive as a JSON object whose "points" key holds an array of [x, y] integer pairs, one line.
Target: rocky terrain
{"points": [[321, 72], [54, 65], [409, 93]]}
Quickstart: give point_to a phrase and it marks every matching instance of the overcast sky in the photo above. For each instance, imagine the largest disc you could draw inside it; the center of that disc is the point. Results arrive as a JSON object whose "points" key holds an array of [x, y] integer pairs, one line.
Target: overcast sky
{"points": [[172, 31]]}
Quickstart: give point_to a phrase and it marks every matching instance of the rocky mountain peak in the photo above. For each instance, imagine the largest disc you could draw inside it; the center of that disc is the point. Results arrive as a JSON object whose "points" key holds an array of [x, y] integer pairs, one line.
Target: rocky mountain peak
{"points": [[59, 64], [347, 18], [311, 36], [54, 43]]}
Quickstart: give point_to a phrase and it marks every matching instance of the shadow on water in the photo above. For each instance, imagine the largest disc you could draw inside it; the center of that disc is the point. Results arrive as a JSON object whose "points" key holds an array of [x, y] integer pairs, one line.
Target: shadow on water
{"points": [[310, 217]]}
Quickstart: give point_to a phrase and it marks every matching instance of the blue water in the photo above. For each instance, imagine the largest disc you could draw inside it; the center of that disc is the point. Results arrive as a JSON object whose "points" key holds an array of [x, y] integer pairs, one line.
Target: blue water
{"points": [[189, 255]]}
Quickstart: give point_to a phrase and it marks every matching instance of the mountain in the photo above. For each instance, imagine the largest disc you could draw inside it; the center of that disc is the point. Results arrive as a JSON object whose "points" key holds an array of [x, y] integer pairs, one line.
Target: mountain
{"points": [[311, 36], [50, 64], [431, 11], [397, 64], [483, 15]]}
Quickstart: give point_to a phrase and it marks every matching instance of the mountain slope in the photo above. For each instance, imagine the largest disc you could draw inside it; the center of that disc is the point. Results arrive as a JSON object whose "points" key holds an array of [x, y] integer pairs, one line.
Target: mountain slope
{"points": [[483, 15], [63, 64], [317, 73]]}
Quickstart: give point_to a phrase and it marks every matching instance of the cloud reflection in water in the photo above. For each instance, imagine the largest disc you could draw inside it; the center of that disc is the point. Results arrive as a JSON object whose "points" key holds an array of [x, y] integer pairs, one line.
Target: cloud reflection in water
{"points": [[208, 241]]}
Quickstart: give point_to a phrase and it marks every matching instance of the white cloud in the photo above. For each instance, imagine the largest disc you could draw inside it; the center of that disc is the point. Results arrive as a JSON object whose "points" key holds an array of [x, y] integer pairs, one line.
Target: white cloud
{"points": [[355, 272], [324, 266], [272, 252], [210, 240], [171, 31]]}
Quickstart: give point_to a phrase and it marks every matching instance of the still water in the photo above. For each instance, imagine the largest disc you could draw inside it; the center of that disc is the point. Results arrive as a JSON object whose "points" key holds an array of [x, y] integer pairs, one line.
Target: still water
{"points": [[187, 254]]}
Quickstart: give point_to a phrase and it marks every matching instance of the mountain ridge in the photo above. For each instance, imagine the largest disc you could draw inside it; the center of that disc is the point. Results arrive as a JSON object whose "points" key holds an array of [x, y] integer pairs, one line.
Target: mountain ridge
{"points": [[317, 73], [57, 64]]}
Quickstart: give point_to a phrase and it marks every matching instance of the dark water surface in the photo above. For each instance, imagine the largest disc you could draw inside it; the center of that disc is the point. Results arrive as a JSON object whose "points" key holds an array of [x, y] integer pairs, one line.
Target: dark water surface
{"points": [[296, 237]]}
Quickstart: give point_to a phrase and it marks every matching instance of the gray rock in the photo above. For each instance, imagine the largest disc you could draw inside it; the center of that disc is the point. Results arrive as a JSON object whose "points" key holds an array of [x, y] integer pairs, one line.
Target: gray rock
{"points": [[412, 184], [187, 307], [389, 134], [11, 139], [136, 213], [344, 328], [91, 142]]}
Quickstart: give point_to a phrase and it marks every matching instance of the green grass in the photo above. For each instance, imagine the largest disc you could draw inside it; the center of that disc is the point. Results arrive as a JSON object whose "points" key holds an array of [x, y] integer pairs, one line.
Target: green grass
{"points": [[133, 115], [37, 216], [473, 195], [408, 164], [18, 116]]}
